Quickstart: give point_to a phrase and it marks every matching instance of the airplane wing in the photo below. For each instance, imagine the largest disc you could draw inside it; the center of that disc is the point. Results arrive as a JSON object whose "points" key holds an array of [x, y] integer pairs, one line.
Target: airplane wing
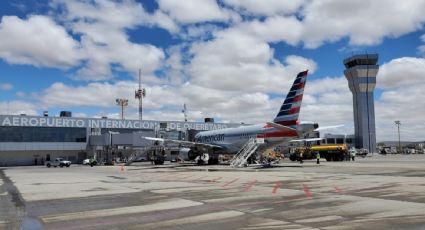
{"points": [[307, 139], [328, 127], [187, 143], [280, 127]]}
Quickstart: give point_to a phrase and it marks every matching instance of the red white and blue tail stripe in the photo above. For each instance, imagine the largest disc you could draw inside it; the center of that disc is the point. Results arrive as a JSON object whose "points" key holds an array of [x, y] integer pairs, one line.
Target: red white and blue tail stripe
{"points": [[290, 109]]}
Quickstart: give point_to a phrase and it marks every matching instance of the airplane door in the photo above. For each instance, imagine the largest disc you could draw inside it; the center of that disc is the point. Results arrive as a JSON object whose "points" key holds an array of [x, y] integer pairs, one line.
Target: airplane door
{"points": [[260, 138]]}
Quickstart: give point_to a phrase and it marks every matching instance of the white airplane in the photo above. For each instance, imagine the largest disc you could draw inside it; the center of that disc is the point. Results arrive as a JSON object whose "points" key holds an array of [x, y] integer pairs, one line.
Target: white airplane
{"points": [[284, 128]]}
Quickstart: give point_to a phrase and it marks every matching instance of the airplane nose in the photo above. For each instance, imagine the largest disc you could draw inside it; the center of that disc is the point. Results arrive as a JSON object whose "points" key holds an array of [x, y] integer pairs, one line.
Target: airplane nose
{"points": [[316, 126]]}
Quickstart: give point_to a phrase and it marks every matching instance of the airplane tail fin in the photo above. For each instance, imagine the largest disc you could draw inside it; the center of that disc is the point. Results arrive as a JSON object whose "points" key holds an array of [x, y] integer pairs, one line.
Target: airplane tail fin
{"points": [[290, 109]]}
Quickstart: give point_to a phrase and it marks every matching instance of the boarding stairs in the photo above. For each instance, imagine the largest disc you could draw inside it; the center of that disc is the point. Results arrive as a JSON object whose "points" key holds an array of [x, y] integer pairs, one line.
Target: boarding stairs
{"points": [[241, 157], [138, 153]]}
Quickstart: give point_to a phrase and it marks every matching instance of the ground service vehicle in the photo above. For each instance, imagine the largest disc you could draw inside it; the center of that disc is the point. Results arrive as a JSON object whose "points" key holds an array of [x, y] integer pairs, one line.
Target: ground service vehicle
{"points": [[331, 152], [90, 162], [58, 162], [156, 155]]}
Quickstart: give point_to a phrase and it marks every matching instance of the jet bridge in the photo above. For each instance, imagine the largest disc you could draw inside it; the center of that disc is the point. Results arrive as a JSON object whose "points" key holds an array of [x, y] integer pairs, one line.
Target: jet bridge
{"points": [[108, 146]]}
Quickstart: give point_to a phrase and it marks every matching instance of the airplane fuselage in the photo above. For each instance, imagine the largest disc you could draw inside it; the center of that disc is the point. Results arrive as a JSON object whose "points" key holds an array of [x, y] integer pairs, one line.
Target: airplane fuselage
{"points": [[232, 139]]}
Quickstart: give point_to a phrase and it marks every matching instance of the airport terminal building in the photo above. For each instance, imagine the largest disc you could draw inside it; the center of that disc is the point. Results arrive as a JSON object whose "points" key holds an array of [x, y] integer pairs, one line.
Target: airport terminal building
{"points": [[32, 140]]}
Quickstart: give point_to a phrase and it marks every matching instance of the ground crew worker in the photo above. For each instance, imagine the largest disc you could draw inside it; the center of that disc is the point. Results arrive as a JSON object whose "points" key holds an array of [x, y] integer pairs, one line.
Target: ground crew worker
{"points": [[318, 157], [301, 157], [353, 153], [347, 155]]}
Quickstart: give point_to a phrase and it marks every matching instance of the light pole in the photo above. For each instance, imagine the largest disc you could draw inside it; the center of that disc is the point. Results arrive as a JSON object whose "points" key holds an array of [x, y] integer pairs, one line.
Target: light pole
{"points": [[122, 102], [139, 95], [398, 123]]}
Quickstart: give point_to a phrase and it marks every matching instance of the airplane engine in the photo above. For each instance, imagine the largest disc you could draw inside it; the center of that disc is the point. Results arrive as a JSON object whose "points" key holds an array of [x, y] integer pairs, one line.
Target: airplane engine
{"points": [[307, 127], [187, 154]]}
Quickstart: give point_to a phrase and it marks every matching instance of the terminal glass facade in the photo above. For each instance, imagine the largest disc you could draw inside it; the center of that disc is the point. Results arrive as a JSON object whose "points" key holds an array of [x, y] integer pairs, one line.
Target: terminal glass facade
{"points": [[107, 130], [42, 134]]}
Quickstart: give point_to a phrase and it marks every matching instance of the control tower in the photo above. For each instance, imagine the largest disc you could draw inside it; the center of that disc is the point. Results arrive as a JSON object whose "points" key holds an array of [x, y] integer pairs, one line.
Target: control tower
{"points": [[361, 73]]}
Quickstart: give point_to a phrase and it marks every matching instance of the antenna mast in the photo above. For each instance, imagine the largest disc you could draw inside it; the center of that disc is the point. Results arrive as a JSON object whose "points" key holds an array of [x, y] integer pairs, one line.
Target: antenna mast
{"points": [[140, 94], [184, 111]]}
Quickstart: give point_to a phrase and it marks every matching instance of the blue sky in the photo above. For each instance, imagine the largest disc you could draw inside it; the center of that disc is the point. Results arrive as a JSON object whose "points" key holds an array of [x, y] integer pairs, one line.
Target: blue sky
{"points": [[229, 59]]}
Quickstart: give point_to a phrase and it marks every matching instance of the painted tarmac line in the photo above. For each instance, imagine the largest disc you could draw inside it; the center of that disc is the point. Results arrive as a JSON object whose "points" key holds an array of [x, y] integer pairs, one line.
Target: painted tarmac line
{"points": [[249, 204], [173, 177], [186, 177], [147, 177], [261, 210], [190, 220], [215, 179], [159, 176], [250, 185], [181, 175], [177, 190], [200, 178], [320, 219], [230, 182], [242, 200], [165, 205], [307, 191], [337, 189], [277, 185]]}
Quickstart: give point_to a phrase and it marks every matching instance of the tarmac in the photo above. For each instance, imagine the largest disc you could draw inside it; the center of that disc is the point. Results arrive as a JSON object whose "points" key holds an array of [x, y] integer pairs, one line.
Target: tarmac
{"points": [[379, 192]]}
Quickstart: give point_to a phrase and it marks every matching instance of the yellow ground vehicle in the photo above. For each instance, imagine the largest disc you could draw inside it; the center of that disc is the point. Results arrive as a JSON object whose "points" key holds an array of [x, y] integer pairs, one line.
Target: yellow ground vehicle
{"points": [[330, 152]]}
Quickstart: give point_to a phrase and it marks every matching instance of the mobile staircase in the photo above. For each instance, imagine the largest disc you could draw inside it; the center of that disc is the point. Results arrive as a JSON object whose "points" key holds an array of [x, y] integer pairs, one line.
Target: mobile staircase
{"points": [[134, 156], [241, 157]]}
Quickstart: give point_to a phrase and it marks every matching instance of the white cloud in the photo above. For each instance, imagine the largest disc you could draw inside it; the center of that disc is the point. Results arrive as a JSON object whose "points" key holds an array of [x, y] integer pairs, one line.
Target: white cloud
{"points": [[401, 72], [102, 26], [79, 114], [193, 11], [103, 95], [199, 32], [162, 20], [21, 94], [129, 56], [6, 86], [17, 107], [318, 22], [236, 62], [37, 41], [165, 101], [421, 48], [328, 101], [175, 69], [402, 81], [272, 29], [364, 23], [266, 7], [210, 100], [116, 14]]}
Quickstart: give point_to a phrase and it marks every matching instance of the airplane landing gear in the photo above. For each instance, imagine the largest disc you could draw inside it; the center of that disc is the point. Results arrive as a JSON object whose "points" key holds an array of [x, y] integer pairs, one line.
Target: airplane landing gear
{"points": [[202, 159]]}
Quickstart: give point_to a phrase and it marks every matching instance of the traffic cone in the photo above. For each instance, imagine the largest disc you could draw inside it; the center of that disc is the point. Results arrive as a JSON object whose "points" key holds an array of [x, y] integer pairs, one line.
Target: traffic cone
{"points": [[122, 167]]}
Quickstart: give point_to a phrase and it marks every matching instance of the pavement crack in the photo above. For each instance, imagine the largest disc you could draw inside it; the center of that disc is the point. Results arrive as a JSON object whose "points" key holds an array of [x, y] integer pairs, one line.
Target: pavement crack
{"points": [[12, 190], [21, 219]]}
